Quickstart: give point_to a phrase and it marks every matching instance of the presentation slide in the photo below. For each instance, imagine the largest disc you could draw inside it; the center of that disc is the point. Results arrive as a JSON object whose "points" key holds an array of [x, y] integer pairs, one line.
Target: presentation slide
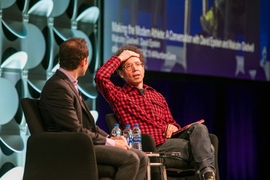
{"points": [[213, 38]]}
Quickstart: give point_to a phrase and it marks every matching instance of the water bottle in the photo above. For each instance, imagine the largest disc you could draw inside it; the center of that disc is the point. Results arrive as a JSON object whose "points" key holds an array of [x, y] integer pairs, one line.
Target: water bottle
{"points": [[116, 131], [127, 133], [137, 137]]}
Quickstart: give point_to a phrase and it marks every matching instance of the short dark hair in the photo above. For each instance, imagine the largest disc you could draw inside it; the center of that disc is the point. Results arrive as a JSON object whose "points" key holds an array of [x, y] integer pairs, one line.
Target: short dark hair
{"points": [[131, 48], [72, 52]]}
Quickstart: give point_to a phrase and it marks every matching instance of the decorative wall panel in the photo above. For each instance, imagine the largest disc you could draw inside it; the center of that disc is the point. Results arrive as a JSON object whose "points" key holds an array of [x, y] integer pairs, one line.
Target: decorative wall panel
{"points": [[30, 34]]}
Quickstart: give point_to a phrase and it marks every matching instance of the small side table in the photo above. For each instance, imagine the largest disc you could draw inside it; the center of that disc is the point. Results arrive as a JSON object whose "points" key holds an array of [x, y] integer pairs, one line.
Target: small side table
{"points": [[161, 157]]}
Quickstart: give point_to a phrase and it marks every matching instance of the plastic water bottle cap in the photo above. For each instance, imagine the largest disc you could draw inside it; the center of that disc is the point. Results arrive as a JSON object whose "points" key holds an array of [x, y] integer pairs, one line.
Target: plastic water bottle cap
{"points": [[127, 125], [116, 124], [136, 125]]}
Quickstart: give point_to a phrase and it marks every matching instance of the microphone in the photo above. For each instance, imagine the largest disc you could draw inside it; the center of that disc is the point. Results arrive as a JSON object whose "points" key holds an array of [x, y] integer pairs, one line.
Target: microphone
{"points": [[141, 91]]}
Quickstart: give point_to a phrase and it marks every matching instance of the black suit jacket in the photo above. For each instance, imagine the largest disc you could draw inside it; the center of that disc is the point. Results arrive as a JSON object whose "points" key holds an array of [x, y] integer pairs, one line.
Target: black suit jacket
{"points": [[63, 109]]}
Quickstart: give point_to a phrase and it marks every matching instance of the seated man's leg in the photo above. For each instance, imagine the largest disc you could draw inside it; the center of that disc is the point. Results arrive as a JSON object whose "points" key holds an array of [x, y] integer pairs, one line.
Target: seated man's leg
{"points": [[130, 163], [201, 148]]}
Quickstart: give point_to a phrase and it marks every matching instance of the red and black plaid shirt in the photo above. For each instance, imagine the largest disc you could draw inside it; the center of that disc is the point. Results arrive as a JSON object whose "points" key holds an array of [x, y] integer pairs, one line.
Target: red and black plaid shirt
{"points": [[150, 110]]}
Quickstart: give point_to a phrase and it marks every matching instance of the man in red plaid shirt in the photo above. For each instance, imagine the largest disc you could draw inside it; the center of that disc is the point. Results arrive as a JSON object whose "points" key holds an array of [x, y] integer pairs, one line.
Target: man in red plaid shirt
{"points": [[136, 102]]}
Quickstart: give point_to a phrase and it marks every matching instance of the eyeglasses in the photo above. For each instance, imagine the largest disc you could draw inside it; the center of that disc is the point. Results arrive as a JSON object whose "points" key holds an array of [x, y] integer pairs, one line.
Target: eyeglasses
{"points": [[128, 67]]}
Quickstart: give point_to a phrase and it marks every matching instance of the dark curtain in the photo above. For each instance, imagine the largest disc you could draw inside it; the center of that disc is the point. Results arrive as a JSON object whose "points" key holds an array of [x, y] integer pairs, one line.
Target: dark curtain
{"points": [[236, 111]]}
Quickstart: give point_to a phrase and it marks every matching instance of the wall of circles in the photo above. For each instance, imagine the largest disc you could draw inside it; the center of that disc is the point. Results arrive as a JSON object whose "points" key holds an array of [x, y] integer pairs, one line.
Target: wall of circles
{"points": [[30, 34]]}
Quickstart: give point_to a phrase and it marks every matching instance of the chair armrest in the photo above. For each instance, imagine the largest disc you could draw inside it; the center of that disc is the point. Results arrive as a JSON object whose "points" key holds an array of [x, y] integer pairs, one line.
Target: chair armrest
{"points": [[65, 155], [214, 142]]}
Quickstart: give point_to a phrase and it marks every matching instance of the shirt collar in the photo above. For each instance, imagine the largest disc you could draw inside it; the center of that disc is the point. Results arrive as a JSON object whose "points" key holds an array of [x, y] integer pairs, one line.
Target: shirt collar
{"points": [[71, 78], [127, 87]]}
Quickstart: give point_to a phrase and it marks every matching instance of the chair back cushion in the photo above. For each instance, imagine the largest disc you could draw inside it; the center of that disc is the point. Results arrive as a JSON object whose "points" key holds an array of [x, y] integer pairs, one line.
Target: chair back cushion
{"points": [[32, 115], [111, 120]]}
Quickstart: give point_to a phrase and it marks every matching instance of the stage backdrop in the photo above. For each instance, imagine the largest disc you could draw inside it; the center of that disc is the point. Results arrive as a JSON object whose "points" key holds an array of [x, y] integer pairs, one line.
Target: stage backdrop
{"points": [[223, 38]]}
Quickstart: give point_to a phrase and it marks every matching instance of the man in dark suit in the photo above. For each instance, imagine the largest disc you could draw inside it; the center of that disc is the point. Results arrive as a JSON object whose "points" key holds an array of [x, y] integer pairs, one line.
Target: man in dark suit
{"points": [[63, 110]]}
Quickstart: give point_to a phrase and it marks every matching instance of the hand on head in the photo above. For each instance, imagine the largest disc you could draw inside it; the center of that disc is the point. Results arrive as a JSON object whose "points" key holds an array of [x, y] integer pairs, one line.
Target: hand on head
{"points": [[126, 54]]}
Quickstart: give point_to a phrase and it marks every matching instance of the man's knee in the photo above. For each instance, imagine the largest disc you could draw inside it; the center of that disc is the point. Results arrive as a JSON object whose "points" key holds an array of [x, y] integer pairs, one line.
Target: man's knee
{"points": [[199, 128]]}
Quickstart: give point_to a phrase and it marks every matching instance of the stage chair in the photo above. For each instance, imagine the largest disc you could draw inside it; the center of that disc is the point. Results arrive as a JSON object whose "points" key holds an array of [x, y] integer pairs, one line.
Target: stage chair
{"points": [[176, 169], [59, 155]]}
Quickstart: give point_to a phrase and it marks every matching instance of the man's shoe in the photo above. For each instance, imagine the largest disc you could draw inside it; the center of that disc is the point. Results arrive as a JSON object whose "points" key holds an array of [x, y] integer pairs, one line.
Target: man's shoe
{"points": [[209, 176]]}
